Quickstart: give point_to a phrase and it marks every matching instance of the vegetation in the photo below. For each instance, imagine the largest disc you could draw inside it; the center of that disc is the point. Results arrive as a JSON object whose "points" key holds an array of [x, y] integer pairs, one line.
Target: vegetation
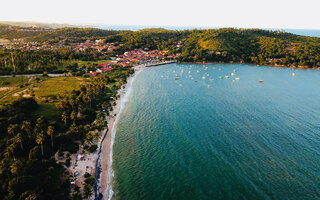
{"points": [[51, 61], [214, 45], [29, 138], [42, 116], [251, 46], [44, 34], [227, 45]]}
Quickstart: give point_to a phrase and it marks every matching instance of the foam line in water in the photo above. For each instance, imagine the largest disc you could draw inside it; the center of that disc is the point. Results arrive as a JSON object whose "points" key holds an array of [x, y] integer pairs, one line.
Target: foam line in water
{"points": [[123, 101]]}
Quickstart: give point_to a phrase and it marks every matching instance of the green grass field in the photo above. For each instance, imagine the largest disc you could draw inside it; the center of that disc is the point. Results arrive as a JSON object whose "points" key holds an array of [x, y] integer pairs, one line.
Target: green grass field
{"points": [[81, 63], [43, 87], [13, 81], [48, 110], [55, 86]]}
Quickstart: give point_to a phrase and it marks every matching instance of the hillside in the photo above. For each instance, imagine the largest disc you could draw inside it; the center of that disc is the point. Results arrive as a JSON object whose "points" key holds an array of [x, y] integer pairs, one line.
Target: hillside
{"points": [[212, 45]]}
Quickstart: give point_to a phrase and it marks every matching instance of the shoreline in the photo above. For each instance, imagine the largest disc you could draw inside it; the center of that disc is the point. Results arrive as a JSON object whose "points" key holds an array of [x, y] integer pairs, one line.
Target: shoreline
{"points": [[104, 184]]}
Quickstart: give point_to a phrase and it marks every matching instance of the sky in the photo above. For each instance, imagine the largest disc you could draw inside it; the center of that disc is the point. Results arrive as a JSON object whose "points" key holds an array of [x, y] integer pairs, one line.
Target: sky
{"points": [[297, 14]]}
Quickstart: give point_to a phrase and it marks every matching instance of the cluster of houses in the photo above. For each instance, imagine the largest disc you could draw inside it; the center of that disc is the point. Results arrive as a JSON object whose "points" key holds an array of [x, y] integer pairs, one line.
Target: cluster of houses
{"points": [[99, 45], [132, 58], [128, 58], [101, 68]]}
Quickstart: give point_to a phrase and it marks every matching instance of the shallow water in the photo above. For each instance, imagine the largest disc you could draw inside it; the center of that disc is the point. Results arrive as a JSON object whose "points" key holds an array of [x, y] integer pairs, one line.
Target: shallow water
{"points": [[237, 139]]}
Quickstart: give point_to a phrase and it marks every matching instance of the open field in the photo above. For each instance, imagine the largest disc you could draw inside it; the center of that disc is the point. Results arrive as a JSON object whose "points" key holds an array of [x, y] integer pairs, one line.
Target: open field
{"points": [[55, 86], [13, 81], [48, 110], [81, 63], [42, 88]]}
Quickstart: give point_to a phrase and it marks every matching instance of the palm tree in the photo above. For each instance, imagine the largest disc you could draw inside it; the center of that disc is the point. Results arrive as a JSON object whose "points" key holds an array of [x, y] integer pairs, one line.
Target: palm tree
{"points": [[87, 190], [13, 129], [100, 114], [26, 126], [14, 168], [10, 151], [73, 116], [50, 132], [39, 140], [18, 140], [64, 117]]}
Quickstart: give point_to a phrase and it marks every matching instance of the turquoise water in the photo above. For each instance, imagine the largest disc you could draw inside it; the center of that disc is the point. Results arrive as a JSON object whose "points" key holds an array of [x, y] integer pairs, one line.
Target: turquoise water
{"points": [[238, 139]]}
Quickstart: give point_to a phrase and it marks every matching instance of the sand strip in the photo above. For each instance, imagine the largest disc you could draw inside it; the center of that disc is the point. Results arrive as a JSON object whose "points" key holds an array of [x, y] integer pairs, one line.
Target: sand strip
{"points": [[106, 175]]}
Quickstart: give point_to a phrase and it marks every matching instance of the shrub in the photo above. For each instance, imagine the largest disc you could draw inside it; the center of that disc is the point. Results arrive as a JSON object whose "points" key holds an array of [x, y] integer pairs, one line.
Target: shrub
{"points": [[68, 162], [93, 148]]}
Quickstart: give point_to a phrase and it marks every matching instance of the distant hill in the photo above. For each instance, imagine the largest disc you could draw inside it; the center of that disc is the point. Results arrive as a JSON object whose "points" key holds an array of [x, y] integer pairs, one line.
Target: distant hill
{"points": [[30, 24], [41, 33]]}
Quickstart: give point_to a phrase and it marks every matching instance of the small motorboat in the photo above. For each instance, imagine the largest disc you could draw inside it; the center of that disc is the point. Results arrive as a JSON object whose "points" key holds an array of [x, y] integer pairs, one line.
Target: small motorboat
{"points": [[260, 81], [293, 74]]}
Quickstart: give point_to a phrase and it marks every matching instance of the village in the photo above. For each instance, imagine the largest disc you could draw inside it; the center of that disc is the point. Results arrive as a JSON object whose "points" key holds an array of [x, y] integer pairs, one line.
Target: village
{"points": [[133, 58], [52, 44], [106, 50]]}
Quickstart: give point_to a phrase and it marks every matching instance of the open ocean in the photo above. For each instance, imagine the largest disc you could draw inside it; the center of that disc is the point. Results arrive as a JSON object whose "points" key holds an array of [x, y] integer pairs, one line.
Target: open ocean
{"points": [[237, 139]]}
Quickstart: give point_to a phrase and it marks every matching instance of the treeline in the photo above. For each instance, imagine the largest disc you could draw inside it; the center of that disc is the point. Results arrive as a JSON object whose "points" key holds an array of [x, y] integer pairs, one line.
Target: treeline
{"points": [[251, 46], [51, 61], [74, 34], [227, 45], [28, 169], [213, 45], [42, 34]]}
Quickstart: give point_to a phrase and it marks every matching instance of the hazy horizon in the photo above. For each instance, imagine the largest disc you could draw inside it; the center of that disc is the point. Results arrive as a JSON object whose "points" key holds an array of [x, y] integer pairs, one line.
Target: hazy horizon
{"points": [[203, 13], [179, 27]]}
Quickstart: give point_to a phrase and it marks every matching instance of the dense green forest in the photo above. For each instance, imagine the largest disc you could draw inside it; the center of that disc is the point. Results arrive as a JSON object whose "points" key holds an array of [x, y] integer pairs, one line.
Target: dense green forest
{"points": [[51, 61], [228, 45], [28, 143]]}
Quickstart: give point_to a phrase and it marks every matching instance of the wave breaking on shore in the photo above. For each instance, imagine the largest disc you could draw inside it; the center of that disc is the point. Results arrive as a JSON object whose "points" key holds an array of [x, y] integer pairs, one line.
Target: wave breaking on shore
{"points": [[108, 192]]}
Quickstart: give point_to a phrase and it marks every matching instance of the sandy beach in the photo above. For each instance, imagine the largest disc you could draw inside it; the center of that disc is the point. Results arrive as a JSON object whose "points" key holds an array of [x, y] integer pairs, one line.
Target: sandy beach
{"points": [[106, 149], [89, 162]]}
